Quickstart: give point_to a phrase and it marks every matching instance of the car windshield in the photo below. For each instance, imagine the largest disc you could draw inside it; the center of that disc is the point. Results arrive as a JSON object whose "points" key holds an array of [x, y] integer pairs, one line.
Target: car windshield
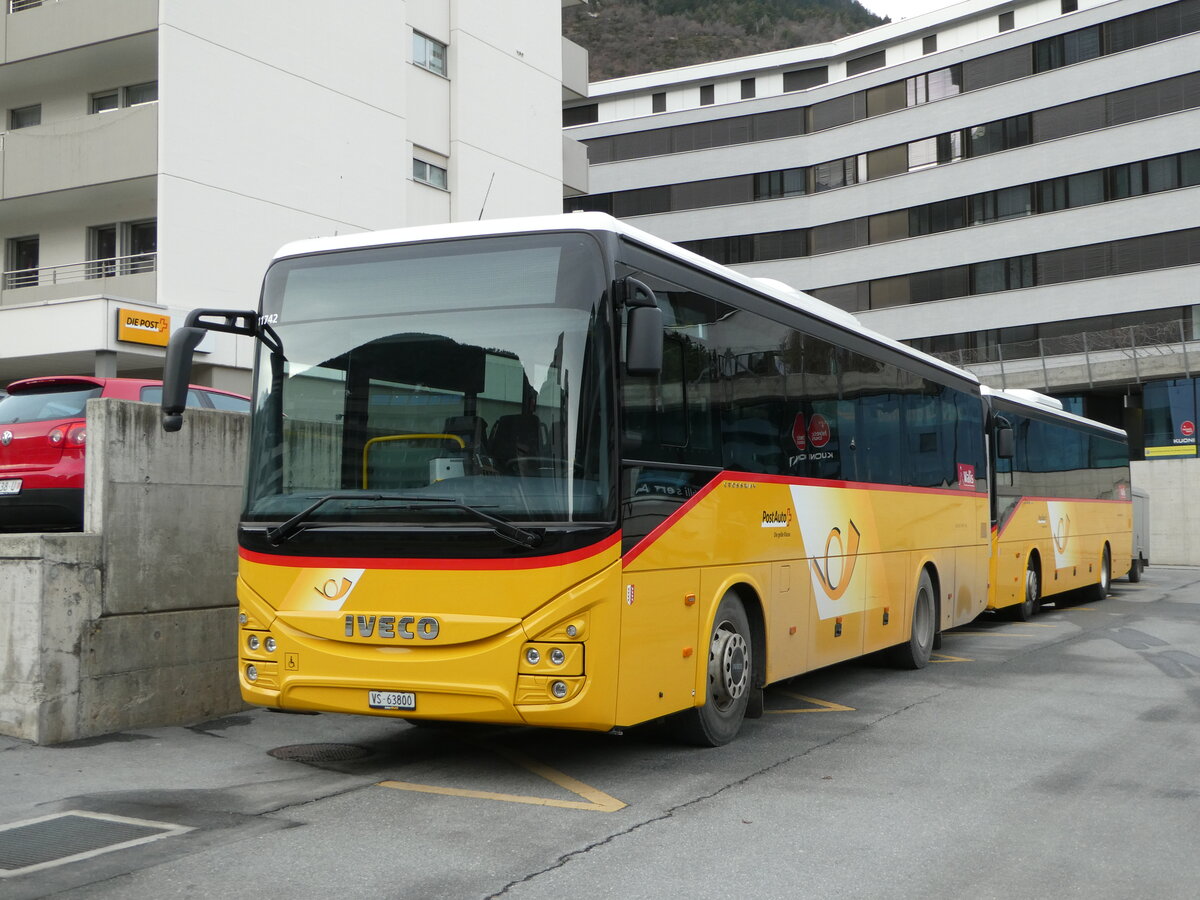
{"points": [[436, 376], [46, 404]]}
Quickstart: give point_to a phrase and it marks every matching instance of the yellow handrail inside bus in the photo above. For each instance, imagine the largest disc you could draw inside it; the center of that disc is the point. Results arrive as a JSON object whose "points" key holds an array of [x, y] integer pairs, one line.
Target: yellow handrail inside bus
{"points": [[405, 437]]}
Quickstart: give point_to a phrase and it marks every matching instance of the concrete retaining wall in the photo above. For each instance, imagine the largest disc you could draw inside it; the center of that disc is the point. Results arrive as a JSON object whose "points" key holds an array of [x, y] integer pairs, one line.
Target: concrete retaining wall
{"points": [[131, 623], [1174, 489]]}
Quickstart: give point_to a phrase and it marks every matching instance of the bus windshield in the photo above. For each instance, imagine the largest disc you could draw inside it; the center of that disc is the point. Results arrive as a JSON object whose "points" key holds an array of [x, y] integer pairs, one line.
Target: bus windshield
{"points": [[427, 383]]}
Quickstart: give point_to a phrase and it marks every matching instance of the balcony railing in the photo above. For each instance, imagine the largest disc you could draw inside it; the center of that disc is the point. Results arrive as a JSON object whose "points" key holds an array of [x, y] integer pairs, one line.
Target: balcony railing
{"points": [[1127, 353], [18, 5], [81, 271]]}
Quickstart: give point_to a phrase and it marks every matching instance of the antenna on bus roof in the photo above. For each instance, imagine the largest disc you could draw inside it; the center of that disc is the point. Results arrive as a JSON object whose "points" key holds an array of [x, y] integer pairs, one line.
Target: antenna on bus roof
{"points": [[486, 194]]}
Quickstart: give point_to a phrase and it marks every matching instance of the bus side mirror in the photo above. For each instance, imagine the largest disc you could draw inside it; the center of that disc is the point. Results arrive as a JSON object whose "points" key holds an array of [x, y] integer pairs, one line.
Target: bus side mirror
{"points": [[177, 369], [1005, 447], [177, 374], [643, 329], [643, 341]]}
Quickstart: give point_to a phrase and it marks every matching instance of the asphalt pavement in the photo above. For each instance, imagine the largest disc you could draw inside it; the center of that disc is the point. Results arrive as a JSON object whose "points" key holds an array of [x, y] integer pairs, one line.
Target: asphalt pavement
{"points": [[1050, 758]]}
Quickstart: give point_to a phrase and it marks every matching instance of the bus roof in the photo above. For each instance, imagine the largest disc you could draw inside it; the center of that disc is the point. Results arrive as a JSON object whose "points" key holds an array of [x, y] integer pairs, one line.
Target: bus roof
{"points": [[1028, 400], [596, 221]]}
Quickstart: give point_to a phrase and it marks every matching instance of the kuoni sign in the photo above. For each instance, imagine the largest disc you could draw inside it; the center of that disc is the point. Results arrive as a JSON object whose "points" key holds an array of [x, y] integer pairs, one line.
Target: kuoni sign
{"points": [[143, 327]]}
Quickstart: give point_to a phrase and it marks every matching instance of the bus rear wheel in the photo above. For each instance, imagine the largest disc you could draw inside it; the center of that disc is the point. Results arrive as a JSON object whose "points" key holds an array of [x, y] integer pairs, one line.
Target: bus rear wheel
{"points": [[729, 682], [915, 652], [1135, 570], [1100, 590]]}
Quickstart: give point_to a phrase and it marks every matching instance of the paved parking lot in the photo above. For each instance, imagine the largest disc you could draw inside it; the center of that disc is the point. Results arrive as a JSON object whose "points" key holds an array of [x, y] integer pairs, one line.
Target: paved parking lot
{"points": [[1050, 758]]}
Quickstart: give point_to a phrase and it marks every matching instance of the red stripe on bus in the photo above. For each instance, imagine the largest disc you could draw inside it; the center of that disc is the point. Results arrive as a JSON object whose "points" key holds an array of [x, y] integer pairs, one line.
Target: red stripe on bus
{"points": [[465, 565], [997, 531], [789, 480]]}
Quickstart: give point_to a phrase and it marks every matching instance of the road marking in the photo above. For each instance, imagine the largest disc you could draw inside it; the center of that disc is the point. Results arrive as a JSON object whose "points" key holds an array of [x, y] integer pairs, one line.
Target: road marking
{"points": [[820, 705], [593, 800], [995, 632], [946, 657]]}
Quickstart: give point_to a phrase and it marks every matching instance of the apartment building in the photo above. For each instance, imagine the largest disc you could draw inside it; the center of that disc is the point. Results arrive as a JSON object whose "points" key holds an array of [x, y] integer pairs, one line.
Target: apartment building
{"points": [[1012, 186], [155, 153]]}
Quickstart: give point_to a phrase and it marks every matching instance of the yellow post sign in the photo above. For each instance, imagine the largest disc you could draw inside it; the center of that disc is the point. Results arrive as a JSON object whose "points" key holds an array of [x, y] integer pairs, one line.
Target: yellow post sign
{"points": [[140, 327]]}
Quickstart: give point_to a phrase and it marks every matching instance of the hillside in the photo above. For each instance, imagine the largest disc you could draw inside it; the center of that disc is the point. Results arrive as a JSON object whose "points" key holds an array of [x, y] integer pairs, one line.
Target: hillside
{"points": [[626, 37]]}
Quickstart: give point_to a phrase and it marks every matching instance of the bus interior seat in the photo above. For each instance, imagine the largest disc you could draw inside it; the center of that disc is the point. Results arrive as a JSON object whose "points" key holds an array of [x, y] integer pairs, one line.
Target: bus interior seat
{"points": [[516, 437]]}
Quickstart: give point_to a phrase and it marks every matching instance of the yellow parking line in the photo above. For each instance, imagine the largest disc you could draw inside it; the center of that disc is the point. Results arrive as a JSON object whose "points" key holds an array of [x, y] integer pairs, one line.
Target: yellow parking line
{"points": [[593, 800], [822, 705], [946, 657], [998, 633]]}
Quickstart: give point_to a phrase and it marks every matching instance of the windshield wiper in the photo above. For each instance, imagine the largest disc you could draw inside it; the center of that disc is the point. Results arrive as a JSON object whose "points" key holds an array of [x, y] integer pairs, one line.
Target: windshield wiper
{"points": [[521, 536]]}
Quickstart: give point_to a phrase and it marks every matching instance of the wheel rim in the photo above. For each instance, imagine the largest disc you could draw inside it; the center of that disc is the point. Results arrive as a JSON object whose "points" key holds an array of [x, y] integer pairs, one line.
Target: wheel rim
{"points": [[728, 669], [923, 620], [1031, 587], [1105, 572]]}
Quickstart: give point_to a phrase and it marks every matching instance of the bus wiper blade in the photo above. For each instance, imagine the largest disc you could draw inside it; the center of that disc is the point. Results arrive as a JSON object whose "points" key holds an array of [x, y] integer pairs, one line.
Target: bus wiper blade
{"points": [[522, 536]]}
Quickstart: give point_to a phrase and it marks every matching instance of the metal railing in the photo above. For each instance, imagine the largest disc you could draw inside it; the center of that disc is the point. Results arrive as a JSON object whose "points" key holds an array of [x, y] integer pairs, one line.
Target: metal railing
{"points": [[1128, 349], [18, 5], [111, 267]]}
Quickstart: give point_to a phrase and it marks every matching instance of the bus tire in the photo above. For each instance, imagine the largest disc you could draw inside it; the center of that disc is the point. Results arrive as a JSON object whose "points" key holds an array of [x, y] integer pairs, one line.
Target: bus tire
{"points": [[915, 652], [728, 687], [1027, 608], [1135, 570], [1100, 589]]}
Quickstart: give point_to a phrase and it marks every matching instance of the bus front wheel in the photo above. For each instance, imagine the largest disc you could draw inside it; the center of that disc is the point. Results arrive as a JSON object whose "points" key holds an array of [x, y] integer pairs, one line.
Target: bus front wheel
{"points": [[1024, 611], [915, 652], [728, 683]]}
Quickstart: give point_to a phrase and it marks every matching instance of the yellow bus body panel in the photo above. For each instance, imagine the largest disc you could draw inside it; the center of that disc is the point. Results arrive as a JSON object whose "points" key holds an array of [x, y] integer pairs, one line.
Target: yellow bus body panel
{"points": [[1067, 538]]}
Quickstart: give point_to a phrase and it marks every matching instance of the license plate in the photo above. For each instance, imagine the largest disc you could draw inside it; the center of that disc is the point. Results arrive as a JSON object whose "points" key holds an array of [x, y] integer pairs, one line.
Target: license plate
{"points": [[405, 700], [10, 485]]}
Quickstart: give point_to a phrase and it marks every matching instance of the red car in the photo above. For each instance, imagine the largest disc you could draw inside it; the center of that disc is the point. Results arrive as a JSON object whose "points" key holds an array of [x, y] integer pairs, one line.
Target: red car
{"points": [[42, 437]]}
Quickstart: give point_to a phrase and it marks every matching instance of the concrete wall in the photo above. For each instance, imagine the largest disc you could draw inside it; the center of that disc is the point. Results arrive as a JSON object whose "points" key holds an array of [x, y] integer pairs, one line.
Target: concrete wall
{"points": [[133, 622], [1174, 493]]}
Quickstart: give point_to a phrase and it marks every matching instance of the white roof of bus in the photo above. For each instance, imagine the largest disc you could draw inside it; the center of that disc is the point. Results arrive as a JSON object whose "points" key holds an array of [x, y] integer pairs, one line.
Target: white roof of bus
{"points": [[1024, 399], [595, 221]]}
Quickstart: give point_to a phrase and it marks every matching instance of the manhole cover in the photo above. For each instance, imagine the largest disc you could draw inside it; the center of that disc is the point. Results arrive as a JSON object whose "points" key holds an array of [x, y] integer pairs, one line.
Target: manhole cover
{"points": [[53, 840], [318, 753]]}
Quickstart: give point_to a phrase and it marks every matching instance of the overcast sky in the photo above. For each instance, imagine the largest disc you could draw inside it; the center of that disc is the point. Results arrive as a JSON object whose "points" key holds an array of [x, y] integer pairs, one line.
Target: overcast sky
{"points": [[903, 9]]}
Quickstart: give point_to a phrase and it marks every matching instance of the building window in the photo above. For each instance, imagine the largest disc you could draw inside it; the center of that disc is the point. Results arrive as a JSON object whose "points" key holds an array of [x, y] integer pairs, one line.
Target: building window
{"points": [[866, 63], [104, 101], [21, 262], [1069, 6], [131, 95], [929, 44], [18, 5], [125, 248], [25, 116], [708, 94], [137, 94], [803, 79], [658, 102], [427, 173], [429, 54], [1006, 21], [581, 115], [747, 88]]}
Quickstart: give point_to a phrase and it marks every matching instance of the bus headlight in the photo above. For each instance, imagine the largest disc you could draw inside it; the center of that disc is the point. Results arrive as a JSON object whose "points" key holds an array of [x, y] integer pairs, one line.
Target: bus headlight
{"points": [[270, 644], [252, 673], [532, 656], [559, 689], [557, 656], [252, 642]]}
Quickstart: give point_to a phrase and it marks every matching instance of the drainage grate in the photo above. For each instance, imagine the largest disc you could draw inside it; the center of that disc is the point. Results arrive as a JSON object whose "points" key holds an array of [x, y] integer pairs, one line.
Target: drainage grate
{"points": [[319, 753], [66, 837]]}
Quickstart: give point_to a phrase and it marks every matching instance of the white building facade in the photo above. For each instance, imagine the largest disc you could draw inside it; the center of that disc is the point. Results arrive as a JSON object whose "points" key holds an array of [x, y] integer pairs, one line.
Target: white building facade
{"points": [[1012, 186], [156, 153]]}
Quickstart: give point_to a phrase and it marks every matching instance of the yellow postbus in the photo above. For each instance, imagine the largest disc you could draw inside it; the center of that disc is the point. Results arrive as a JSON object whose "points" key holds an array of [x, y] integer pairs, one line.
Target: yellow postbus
{"points": [[560, 472], [1062, 504]]}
